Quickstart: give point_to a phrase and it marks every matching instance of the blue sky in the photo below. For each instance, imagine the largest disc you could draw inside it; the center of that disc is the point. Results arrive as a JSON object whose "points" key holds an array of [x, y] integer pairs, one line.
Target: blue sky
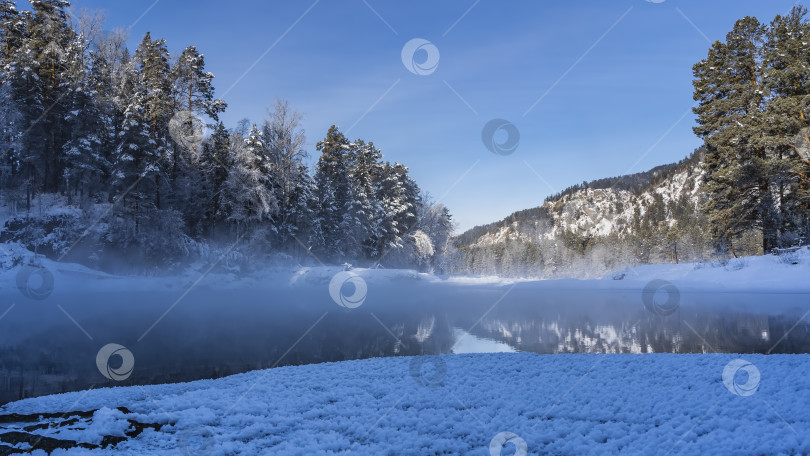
{"points": [[613, 80]]}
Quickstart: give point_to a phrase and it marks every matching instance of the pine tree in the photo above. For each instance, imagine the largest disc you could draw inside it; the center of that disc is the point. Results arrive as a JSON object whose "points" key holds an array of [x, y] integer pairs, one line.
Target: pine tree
{"points": [[48, 37], [786, 62], [400, 204], [11, 119], [12, 29], [87, 163], [154, 92], [136, 158], [193, 95], [192, 85], [334, 195], [27, 92], [110, 80], [10, 147], [152, 59], [730, 104], [246, 196], [364, 217], [214, 164]]}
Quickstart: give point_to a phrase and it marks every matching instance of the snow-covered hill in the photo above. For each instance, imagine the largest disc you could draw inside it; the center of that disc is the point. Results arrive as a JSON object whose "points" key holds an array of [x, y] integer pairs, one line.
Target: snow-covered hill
{"points": [[459, 404], [598, 209]]}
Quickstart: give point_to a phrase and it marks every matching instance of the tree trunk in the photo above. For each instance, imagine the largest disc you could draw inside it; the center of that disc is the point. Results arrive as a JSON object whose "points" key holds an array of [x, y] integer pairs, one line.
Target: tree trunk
{"points": [[157, 191]]}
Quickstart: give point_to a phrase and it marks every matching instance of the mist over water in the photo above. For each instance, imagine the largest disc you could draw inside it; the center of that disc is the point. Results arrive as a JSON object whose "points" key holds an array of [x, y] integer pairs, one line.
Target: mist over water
{"points": [[213, 332]]}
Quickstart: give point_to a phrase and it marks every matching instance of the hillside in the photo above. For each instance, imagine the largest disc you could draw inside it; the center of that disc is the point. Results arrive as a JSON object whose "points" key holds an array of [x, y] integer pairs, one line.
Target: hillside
{"points": [[641, 218]]}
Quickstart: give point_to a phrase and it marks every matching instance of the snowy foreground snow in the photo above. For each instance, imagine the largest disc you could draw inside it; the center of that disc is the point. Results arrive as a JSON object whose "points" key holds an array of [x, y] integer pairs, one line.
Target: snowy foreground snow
{"points": [[456, 404]]}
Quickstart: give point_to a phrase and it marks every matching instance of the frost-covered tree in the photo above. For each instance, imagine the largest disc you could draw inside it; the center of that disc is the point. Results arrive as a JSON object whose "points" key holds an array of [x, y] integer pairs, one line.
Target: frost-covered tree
{"points": [[400, 202], [136, 171], [87, 162], [152, 59], [246, 197], [193, 96], [192, 85], [436, 223], [334, 195], [284, 143], [364, 213], [213, 166], [11, 117]]}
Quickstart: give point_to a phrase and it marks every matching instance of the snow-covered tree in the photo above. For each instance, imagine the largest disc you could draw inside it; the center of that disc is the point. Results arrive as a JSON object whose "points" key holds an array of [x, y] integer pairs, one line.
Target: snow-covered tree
{"points": [[284, 143], [87, 163], [246, 197], [192, 85], [334, 194]]}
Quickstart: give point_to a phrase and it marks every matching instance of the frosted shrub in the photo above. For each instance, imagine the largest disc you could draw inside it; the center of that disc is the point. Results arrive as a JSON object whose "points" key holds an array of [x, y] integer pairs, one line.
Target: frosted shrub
{"points": [[156, 240], [788, 257], [736, 264], [50, 235]]}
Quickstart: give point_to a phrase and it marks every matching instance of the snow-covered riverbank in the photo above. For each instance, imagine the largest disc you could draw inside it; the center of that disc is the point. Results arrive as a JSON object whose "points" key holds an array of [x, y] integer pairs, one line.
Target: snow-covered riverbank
{"points": [[458, 404], [786, 273]]}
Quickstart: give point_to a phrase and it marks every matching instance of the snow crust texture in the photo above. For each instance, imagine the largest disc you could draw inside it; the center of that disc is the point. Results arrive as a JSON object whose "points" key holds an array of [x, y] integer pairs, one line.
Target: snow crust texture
{"points": [[479, 404]]}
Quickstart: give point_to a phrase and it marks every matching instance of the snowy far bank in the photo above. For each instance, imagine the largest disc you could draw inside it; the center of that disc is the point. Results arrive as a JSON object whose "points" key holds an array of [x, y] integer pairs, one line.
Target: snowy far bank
{"points": [[458, 404], [788, 273]]}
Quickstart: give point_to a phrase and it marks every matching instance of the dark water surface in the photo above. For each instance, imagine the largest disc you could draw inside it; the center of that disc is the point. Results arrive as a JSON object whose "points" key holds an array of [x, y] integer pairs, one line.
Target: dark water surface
{"points": [[51, 345]]}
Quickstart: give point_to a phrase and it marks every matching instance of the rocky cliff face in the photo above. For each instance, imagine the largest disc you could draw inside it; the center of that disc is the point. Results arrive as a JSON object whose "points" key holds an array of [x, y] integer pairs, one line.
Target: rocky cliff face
{"points": [[596, 212], [628, 217]]}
